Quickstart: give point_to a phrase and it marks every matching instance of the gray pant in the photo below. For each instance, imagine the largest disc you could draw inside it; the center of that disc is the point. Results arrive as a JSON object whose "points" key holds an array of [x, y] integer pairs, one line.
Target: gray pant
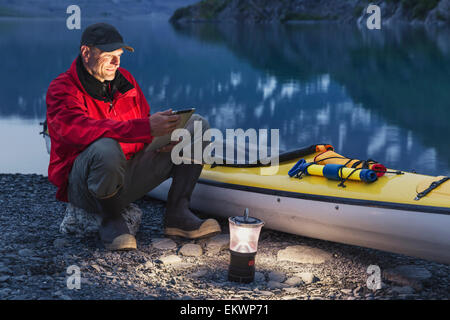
{"points": [[102, 169]]}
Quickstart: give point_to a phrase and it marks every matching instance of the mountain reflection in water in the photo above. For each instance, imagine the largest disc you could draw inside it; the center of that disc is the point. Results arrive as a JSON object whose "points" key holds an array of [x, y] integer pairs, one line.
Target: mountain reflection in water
{"points": [[372, 94]]}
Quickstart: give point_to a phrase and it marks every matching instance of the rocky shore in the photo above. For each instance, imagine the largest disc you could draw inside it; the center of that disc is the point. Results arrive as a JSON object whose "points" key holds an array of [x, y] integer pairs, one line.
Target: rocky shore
{"points": [[35, 256], [429, 12]]}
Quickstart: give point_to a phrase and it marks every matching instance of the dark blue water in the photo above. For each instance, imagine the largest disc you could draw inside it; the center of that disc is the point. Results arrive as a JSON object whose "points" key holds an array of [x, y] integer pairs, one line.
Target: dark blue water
{"points": [[372, 94]]}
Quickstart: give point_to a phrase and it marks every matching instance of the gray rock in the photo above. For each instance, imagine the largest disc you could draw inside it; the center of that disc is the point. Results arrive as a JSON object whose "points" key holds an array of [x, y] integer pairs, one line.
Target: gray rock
{"points": [[199, 273], [403, 290], [266, 293], [171, 259], [5, 270], [294, 281], [5, 292], [26, 252], [218, 243], [96, 268], [148, 265], [347, 291], [277, 276], [191, 250], [79, 222], [303, 254], [357, 290], [412, 272], [164, 244], [408, 275], [307, 277], [276, 285], [291, 290], [4, 278], [259, 277], [59, 243]]}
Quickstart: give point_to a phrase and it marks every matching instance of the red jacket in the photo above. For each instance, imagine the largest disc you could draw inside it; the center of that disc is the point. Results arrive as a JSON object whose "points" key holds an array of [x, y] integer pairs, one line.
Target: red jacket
{"points": [[75, 120]]}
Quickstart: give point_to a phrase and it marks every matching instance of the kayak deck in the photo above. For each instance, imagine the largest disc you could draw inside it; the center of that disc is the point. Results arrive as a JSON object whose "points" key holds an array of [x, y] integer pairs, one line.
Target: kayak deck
{"points": [[390, 188]]}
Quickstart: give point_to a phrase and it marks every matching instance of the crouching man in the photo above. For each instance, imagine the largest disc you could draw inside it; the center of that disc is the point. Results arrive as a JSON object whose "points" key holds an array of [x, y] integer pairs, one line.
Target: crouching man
{"points": [[99, 123]]}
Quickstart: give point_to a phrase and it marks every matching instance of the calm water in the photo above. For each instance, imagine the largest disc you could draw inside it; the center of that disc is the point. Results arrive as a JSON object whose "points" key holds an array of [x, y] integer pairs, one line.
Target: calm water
{"points": [[372, 94]]}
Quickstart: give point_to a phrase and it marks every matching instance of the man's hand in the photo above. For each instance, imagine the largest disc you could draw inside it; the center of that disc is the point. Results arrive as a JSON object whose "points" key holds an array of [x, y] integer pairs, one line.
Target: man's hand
{"points": [[162, 123], [169, 147]]}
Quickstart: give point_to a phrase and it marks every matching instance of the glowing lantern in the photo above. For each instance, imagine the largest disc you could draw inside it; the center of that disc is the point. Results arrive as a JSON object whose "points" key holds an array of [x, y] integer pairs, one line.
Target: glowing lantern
{"points": [[244, 235]]}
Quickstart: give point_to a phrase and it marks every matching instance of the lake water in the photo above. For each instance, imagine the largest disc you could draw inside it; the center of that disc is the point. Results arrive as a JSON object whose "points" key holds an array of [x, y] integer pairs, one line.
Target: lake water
{"points": [[382, 94]]}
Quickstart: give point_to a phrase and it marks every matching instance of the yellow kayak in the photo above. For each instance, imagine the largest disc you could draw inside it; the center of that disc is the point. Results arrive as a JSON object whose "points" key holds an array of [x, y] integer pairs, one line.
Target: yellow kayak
{"points": [[398, 213]]}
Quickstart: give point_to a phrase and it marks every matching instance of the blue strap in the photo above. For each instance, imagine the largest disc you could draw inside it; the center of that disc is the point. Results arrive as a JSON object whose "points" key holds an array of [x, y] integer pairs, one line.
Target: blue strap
{"points": [[299, 168]]}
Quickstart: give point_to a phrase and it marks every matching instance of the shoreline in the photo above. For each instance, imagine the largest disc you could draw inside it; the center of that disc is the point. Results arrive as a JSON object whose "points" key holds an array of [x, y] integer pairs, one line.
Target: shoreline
{"points": [[35, 257]]}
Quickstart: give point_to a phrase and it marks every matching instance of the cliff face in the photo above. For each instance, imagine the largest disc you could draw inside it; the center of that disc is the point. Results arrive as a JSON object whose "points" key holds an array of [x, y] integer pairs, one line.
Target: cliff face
{"points": [[257, 11]]}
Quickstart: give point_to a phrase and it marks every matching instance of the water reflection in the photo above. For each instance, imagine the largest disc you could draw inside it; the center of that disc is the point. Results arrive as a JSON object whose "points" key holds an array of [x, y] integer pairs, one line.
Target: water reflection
{"points": [[387, 92], [381, 95]]}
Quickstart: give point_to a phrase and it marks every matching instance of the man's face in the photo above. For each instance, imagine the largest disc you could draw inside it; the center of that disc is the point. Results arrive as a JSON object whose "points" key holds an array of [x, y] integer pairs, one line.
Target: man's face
{"points": [[101, 64]]}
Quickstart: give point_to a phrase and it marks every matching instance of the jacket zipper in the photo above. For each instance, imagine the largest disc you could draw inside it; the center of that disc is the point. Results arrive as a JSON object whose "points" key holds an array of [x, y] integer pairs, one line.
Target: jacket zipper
{"points": [[111, 107]]}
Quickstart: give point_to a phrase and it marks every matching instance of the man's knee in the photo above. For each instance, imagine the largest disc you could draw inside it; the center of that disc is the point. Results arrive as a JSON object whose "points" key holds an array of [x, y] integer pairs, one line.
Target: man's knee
{"points": [[108, 153], [107, 168]]}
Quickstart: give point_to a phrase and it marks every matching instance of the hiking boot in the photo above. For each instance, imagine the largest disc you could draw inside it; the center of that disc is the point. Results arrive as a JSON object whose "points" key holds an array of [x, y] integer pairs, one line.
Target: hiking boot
{"points": [[179, 219], [113, 229]]}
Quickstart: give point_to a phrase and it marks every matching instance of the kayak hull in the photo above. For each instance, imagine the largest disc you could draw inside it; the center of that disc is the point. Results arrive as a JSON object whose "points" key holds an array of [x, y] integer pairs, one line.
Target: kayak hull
{"points": [[420, 234]]}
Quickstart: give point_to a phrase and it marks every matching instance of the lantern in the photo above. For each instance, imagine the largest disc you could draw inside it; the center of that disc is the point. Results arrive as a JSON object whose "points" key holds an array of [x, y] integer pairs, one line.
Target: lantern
{"points": [[244, 235]]}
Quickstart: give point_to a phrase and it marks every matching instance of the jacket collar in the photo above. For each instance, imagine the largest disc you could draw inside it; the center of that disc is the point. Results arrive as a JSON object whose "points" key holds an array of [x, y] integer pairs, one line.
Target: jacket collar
{"points": [[104, 91]]}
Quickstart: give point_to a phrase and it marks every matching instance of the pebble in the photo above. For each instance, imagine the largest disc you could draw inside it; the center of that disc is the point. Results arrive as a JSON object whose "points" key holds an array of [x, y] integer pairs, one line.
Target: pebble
{"points": [[408, 275], [96, 267], [303, 254], [403, 290], [4, 292], [259, 277], [275, 285], [5, 270], [294, 281], [347, 291], [191, 250], [307, 277], [148, 265], [291, 290], [357, 290], [266, 293], [164, 244], [218, 243], [199, 273], [25, 253], [171, 259], [277, 276]]}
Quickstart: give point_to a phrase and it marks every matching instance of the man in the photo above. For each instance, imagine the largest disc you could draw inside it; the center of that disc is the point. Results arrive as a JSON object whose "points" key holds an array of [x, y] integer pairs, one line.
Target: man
{"points": [[99, 123]]}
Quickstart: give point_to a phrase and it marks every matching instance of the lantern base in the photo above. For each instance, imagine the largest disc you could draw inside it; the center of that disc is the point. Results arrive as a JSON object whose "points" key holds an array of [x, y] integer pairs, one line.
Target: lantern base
{"points": [[242, 267]]}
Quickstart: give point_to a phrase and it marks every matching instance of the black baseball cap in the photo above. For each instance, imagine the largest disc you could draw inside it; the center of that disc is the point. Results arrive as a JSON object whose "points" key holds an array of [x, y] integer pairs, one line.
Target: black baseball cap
{"points": [[103, 36]]}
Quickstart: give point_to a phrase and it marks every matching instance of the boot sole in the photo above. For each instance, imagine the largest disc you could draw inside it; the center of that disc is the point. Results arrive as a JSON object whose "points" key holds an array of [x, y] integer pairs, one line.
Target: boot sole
{"points": [[123, 242], [208, 228]]}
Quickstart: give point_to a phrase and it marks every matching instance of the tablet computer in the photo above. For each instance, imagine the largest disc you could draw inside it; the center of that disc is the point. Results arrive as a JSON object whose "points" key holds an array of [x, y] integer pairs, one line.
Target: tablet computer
{"points": [[162, 141]]}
